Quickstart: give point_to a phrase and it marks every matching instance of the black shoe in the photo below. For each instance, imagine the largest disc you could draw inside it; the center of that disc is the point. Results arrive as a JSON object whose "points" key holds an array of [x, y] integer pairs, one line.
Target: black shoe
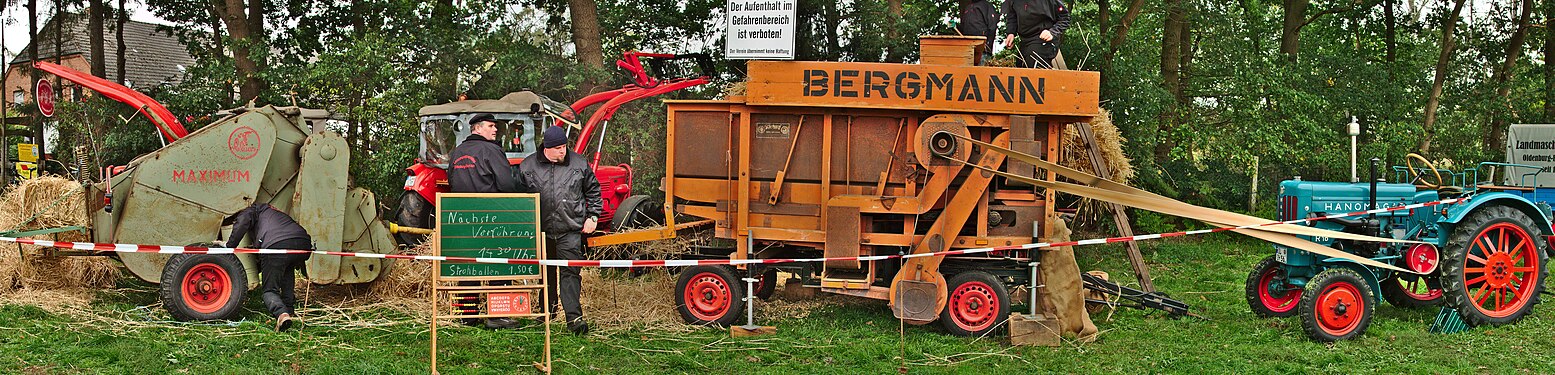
{"points": [[578, 327], [283, 322], [501, 323]]}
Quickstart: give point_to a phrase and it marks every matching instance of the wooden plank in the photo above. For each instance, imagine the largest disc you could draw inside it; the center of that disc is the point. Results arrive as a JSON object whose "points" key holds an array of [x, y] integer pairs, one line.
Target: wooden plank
{"points": [[924, 87], [1119, 215]]}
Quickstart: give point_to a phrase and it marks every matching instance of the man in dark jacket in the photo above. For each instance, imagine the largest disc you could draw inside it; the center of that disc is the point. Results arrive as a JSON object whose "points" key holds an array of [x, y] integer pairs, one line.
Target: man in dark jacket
{"points": [[570, 206], [478, 165], [978, 18], [1040, 25], [273, 229]]}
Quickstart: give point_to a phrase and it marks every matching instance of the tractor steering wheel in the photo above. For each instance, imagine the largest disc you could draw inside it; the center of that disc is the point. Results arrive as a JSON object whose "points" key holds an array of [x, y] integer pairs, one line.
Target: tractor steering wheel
{"points": [[1415, 175]]}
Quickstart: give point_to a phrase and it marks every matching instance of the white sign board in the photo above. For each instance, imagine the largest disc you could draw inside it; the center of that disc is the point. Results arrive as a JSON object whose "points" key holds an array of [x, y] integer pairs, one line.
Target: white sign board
{"points": [[1530, 144], [761, 29]]}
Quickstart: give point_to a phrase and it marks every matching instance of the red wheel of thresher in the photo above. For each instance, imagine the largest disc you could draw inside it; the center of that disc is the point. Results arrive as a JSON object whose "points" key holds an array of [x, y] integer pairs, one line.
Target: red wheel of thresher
{"points": [[1501, 270], [974, 306], [1278, 302], [708, 296], [1340, 307], [206, 288]]}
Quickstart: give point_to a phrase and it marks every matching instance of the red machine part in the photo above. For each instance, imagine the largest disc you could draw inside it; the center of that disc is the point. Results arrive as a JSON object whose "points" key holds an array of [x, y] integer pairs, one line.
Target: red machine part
{"points": [[616, 182], [1423, 258], [164, 120], [423, 180]]}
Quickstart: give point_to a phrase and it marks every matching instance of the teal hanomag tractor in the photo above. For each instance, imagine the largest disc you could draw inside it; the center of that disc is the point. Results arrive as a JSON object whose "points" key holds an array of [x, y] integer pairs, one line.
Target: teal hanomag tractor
{"points": [[1483, 256]]}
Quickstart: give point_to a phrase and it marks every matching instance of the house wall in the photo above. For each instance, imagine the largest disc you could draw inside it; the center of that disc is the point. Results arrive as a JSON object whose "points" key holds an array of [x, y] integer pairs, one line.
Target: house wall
{"points": [[16, 78]]}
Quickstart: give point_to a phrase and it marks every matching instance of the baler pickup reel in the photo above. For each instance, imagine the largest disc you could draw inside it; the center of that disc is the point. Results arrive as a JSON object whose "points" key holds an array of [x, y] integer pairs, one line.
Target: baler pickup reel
{"points": [[1091, 186]]}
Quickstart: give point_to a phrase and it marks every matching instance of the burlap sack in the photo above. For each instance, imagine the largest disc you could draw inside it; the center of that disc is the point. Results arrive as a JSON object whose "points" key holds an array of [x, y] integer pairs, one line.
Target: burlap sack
{"points": [[1063, 297]]}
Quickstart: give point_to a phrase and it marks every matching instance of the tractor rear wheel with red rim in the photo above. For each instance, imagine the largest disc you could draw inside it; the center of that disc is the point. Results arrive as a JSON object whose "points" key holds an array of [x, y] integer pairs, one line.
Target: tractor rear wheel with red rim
{"points": [[978, 304], [1267, 292], [1336, 305], [1493, 266], [199, 287], [709, 295], [1411, 291]]}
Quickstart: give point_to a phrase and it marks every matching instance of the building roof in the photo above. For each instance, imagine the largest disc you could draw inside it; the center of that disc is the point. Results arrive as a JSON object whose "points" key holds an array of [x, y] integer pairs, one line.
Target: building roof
{"points": [[155, 56]]}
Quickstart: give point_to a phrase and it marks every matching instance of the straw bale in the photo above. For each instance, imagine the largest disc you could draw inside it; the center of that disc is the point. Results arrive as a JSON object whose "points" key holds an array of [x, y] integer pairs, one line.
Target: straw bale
{"points": [[1109, 141], [406, 279], [49, 202]]}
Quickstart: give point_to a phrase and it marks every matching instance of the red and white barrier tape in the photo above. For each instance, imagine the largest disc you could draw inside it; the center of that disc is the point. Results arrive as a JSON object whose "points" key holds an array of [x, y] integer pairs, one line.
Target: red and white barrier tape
{"points": [[129, 248]]}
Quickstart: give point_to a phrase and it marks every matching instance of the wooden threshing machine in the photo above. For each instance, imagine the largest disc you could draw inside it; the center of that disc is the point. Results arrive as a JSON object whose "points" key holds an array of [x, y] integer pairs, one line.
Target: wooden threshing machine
{"points": [[833, 159]]}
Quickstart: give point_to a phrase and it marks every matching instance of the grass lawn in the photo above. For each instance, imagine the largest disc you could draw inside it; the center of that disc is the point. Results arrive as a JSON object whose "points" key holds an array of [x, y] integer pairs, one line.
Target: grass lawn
{"points": [[1206, 272]]}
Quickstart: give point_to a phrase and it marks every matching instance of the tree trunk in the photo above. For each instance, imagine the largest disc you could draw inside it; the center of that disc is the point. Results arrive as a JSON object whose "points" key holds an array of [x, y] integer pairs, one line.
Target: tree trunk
{"points": [[1118, 36], [1493, 138], [1171, 66], [95, 16], [1390, 33], [585, 33], [118, 35], [1549, 67], [32, 50], [1103, 15], [1448, 25], [833, 32], [896, 52], [246, 44], [358, 18], [1295, 18]]}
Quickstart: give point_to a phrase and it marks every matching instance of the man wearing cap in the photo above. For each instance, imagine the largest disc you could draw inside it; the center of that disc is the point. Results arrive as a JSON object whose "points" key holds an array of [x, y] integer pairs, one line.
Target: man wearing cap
{"points": [[479, 166], [570, 206]]}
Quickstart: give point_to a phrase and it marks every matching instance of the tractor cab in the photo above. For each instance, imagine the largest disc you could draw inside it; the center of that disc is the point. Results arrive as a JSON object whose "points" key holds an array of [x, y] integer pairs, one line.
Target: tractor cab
{"points": [[521, 117]]}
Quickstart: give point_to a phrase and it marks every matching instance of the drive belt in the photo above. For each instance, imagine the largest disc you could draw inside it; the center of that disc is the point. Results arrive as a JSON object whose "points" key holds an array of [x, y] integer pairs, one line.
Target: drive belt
{"points": [[1114, 192]]}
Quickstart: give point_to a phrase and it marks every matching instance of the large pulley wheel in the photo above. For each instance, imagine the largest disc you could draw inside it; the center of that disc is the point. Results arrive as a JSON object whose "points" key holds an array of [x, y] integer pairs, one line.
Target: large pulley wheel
{"points": [[200, 287], [1268, 292], [1337, 305], [978, 304], [1493, 268], [414, 212], [709, 295]]}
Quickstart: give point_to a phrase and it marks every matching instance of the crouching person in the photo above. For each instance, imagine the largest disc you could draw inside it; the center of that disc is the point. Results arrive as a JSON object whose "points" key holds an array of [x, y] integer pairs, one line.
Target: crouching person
{"points": [[273, 229]]}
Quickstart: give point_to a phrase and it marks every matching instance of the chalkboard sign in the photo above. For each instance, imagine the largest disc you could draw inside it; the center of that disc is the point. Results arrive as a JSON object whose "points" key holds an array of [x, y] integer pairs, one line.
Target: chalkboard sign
{"points": [[488, 226]]}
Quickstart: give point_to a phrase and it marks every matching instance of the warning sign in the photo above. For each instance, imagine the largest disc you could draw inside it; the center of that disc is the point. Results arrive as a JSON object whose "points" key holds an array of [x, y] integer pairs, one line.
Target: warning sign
{"points": [[761, 29]]}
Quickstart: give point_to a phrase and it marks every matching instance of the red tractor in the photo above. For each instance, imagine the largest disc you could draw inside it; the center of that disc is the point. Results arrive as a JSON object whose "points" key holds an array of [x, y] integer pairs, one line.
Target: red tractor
{"points": [[524, 116]]}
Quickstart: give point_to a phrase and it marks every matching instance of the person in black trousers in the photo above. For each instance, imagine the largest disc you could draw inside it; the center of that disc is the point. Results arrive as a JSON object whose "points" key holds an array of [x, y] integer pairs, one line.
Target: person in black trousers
{"points": [[479, 165], [570, 205], [1040, 25], [273, 229]]}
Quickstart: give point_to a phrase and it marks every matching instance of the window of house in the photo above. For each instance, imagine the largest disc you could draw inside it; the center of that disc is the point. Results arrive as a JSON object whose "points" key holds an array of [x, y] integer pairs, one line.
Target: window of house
{"points": [[17, 97]]}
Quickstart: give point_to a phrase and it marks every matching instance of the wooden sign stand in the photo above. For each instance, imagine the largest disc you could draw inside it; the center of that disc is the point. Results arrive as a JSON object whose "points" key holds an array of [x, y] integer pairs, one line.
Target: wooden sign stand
{"points": [[489, 229]]}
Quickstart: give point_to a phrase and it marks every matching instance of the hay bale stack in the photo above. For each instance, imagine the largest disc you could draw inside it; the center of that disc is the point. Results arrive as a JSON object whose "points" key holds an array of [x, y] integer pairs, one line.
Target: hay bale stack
{"points": [[1110, 143], [49, 202]]}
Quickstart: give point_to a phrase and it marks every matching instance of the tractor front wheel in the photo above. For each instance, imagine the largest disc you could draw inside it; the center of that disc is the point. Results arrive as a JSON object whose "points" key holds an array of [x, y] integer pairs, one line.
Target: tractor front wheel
{"points": [[200, 287], [709, 295], [1493, 269], [1336, 305], [1268, 294], [414, 212]]}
